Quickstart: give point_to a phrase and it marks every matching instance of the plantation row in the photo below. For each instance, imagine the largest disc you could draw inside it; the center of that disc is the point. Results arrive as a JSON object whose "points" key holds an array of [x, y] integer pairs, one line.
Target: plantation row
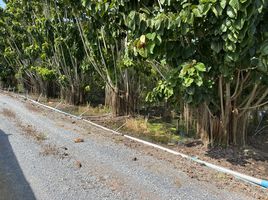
{"points": [[205, 59]]}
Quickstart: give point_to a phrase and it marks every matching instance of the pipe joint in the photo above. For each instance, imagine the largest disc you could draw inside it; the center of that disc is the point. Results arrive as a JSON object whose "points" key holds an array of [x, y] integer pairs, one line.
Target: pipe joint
{"points": [[264, 183]]}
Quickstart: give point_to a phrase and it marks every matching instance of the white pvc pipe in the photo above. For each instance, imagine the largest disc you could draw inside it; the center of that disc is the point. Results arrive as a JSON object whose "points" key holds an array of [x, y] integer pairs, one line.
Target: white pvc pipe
{"points": [[260, 182], [158, 147], [74, 116], [54, 109], [263, 183]]}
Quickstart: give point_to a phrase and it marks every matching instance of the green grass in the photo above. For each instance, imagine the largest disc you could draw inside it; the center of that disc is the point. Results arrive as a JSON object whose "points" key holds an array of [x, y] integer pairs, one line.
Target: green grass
{"points": [[153, 130]]}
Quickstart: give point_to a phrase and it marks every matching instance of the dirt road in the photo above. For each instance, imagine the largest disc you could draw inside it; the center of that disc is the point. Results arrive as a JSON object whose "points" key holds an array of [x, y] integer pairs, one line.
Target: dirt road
{"points": [[40, 160]]}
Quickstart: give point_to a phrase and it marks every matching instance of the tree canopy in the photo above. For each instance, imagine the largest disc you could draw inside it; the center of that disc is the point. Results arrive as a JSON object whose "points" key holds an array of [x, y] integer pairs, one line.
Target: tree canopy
{"points": [[206, 58]]}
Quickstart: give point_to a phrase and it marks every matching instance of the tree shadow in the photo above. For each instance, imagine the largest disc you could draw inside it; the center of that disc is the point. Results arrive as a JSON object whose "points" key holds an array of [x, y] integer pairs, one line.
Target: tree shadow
{"points": [[13, 184]]}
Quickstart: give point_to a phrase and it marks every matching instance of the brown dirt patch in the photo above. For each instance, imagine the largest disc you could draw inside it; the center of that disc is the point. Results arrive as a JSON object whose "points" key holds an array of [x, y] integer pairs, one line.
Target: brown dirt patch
{"points": [[32, 107], [177, 182], [8, 113], [115, 184], [49, 149], [118, 184], [53, 150], [30, 131]]}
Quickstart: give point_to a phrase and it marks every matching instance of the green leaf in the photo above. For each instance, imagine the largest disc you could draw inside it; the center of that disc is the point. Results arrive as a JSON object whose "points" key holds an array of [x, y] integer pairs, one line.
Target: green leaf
{"points": [[151, 36], [239, 23], [199, 81], [150, 47], [232, 38], [208, 1], [185, 68], [223, 28], [216, 46], [223, 3], [188, 82], [264, 49], [200, 67], [204, 8], [159, 40], [231, 12], [230, 46], [163, 62], [197, 12], [87, 88], [235, 4], [215, 11], [263, 66], [143, 52], [85, 2], [158, 23]]}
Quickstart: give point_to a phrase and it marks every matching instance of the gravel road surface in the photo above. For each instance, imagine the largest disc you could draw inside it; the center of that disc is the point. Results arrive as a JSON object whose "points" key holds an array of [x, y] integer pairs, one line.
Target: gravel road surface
{"points": [[40, 160]]}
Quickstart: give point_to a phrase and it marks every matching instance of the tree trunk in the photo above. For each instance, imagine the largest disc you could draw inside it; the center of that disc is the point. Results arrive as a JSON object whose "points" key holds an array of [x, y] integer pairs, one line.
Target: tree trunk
{"points": [[120, 102], [73, 95], [112, 100], [203, 124]]}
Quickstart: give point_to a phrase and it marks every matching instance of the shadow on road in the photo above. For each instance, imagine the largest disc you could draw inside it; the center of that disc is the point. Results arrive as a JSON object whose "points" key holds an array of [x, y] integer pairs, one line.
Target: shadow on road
{"points": [[13, 184]]}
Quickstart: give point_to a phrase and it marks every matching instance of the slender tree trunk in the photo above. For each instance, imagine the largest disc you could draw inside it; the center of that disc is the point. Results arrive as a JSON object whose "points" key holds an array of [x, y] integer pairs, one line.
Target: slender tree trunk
{"points": [[228, 111]]}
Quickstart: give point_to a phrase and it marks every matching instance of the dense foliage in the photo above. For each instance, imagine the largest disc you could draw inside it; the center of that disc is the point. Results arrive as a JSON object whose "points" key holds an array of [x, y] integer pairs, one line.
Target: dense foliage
{"points": [[208, 59]]}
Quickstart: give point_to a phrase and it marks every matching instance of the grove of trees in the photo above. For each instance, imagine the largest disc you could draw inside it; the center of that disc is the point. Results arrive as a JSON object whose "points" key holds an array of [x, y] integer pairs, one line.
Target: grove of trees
{"points": [[208, 59]]}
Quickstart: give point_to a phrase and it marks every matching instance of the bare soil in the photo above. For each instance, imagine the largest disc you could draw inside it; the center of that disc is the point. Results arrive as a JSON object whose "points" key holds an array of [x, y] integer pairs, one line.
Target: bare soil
{"points": [[8, 113]]}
